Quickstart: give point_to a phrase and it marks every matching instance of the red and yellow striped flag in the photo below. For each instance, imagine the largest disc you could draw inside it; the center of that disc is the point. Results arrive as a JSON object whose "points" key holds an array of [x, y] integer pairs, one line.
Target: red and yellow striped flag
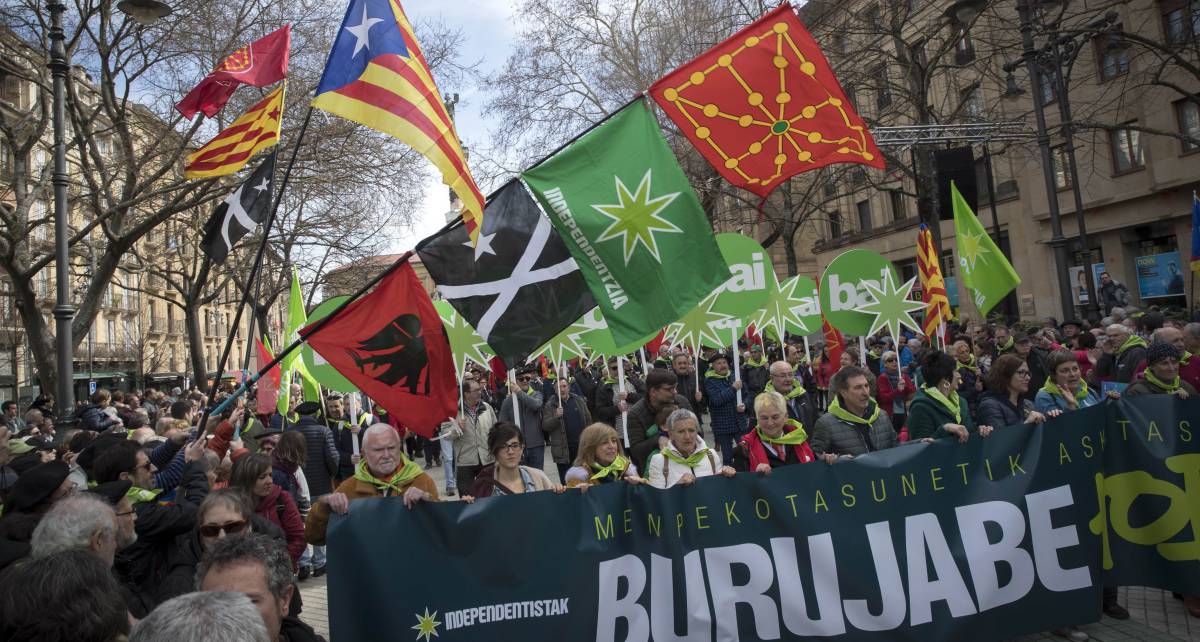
{"points": [[376, 76], [933, 287], [230, 150]]}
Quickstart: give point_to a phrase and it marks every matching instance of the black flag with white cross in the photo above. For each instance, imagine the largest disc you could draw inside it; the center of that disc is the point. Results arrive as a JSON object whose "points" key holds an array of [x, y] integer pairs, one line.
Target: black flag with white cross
{"points": [[241, 212], [519, 286]]}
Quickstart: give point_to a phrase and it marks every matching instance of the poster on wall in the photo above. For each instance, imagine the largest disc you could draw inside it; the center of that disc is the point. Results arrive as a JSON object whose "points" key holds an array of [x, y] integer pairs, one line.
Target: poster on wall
{"points": [[1159, 275], [1079, 282]]}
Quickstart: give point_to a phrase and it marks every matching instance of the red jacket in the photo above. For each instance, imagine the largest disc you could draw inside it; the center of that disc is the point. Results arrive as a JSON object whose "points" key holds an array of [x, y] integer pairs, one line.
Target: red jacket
{"points": [[757, 453], [279, 509], [888, 394]]}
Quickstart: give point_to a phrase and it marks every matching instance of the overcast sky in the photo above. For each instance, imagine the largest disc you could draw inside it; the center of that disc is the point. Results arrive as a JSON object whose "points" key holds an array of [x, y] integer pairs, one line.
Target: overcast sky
{"points": [[488, 30]]}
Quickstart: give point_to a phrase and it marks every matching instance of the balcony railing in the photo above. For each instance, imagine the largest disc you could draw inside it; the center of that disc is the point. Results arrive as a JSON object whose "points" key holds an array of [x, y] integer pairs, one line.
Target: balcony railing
{"points": [[177, 326], [158, 324]]}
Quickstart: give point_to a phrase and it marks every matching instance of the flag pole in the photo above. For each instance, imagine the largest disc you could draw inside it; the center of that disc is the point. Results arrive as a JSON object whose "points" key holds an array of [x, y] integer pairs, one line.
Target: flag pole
{"points": [[255, 267]]}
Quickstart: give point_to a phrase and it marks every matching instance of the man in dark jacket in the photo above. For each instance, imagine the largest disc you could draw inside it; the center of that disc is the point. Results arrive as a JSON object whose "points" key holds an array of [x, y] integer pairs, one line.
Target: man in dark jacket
{"points": [[1113, 294], [660, 391], [1035, 358], [854, 424], [528, 399], [608, 397], [755, 373], [728, 416], [564, 416], [138, 566], [686, 386], [345, 432], [784, 381], [586, 381], [320, 466], [1123, 352]]}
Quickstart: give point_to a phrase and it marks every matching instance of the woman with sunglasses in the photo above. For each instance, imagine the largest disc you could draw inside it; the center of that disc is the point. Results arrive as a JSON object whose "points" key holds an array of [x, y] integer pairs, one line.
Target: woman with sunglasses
{"points": [[601, 460], [223, 513], [507, 476], [1006, 402], [252, 475]]}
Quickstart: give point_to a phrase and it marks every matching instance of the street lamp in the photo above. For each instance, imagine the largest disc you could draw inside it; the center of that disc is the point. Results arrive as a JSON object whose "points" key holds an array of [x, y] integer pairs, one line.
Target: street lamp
{"points": [[964, 12], [145, 12], [1038, 61]]}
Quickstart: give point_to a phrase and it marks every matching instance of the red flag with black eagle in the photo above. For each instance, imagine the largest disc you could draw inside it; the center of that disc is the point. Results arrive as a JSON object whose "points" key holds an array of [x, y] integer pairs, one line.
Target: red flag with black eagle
{"points": [[260, 63], [391, 344]]}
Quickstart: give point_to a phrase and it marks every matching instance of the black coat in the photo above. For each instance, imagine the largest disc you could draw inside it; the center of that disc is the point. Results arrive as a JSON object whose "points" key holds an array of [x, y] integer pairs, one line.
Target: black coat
{"points": [[343, 439], [322, 459], [685, 387], [997, 411], [641, 417], [183, 555], [139, 566]]}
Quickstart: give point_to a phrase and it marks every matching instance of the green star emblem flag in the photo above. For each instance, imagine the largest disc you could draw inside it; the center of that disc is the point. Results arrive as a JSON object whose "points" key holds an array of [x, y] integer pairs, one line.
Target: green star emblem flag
{"points": [[986, 273], [630, 219]]}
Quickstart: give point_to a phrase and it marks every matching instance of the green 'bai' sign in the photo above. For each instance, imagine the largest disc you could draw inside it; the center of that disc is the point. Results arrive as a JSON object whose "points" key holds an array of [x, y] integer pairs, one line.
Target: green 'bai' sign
{"points": [[844, 294]]}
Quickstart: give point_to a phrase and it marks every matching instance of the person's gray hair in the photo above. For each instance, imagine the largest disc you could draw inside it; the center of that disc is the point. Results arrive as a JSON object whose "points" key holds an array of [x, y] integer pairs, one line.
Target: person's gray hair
{"points": [[71, 523], [1107, 321], [1117, 313], [1192, 329], [1157, 335], [1117, 327], [251, 548], [207, 616], [680, 415], [377, 429]]}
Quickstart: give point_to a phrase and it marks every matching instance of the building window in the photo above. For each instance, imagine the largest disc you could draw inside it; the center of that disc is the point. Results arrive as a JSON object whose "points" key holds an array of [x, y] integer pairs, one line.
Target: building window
{"points": [[883, 92], [10, 90], [835, 225], [1181, 20], [851, 95], [864, 215], [1188, 112], [1127, 151], [972, 103], [948, 264], [1111, 58], [830, 188], [899, 212], [872, 18], [1062, 175], [858, 175], [964, 48]]}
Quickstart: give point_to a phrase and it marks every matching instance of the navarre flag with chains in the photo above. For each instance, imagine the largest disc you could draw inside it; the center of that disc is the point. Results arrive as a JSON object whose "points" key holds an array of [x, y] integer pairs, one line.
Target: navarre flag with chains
{"points": [[260, 63], [764, 105], [392, 346]]}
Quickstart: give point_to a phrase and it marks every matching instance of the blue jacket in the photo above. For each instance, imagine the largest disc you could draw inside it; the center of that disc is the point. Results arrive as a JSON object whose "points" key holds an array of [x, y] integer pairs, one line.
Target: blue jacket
{"points": [[1044, 402], [722, 406]]}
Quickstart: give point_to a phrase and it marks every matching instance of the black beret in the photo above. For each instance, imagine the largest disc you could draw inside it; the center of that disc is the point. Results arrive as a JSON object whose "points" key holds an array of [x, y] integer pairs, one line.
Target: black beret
{"points": [[36, 486]]}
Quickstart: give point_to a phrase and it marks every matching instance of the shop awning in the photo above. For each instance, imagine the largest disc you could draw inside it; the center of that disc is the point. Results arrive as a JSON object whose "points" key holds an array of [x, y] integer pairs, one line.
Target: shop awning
{"points": [[84, 376]]}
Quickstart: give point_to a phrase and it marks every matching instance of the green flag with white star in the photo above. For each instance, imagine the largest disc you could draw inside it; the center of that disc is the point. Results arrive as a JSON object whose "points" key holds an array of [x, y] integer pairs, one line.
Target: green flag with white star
{"points": [[632, 222], [986, 273]]}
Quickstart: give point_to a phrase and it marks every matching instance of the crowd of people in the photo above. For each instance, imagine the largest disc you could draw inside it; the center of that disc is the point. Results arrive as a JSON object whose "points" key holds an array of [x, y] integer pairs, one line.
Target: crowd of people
{"points": [[148, 519]]}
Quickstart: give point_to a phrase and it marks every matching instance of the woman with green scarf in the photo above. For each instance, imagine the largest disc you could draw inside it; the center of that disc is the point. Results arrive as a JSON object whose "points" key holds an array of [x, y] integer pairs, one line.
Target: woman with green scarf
{"points": [[1161, 376], [1065, 389], [937, 410], [686, 457], [777, 440], [600, 460]]}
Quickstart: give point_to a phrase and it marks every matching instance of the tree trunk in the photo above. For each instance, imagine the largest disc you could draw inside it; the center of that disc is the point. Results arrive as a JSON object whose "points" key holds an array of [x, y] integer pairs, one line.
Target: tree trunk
{"points": [[196, 348]]}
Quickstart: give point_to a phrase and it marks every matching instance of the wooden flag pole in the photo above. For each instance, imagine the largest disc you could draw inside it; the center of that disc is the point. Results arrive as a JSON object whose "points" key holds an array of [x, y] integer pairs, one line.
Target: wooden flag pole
{"points": [[737, 360]]}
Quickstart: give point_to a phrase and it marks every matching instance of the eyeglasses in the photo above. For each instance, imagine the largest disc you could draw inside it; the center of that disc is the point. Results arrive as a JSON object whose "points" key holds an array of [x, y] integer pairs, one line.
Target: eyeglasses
{"points": [[1024, 373], [229, 528], [512, 447], [127, 513], [524, 379]]}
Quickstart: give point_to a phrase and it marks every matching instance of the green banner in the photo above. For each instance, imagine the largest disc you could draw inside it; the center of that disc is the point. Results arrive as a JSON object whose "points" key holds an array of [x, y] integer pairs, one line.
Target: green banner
{"points": [[984, 541]]}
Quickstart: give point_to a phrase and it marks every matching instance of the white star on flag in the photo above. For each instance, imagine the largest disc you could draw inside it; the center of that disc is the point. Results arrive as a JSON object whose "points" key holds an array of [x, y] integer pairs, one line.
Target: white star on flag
{"points": [[362, 32]]}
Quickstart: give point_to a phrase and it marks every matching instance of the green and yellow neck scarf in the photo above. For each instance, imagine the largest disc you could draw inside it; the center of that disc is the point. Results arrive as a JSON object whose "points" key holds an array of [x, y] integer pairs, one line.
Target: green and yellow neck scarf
{"points": [[836, 409], [141, 495], [615, 470], [1169, 387], [970, 365], [691, 461], [1007, 345], [1132, 342], [1079, 395], [408, 471], [762, 361], [796, 390], [789, 438], [712, 374], [950, 402]]}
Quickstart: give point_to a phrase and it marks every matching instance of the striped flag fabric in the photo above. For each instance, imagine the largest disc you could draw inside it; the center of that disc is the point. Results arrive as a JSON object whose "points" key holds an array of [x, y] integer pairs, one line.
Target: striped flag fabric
{"points": [[376, 76], [933, 286], [230, 150]]}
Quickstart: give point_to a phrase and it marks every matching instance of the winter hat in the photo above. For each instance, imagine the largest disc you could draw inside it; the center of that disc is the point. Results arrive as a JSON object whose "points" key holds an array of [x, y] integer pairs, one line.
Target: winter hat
{"points": [[36, 486], [308, 408], [1159, 351], [112, 491]]}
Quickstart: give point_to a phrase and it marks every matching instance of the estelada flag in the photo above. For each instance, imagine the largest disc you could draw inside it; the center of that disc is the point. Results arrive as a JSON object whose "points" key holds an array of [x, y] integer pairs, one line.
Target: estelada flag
{"points": [[764, 105], [259, 63], [230, 150], [391, 344], [835, 343]]}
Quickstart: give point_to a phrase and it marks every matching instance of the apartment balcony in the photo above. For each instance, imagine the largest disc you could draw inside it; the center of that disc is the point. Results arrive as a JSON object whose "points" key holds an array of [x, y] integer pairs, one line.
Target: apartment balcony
{"points": [[158, 325], [178, 327]]}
